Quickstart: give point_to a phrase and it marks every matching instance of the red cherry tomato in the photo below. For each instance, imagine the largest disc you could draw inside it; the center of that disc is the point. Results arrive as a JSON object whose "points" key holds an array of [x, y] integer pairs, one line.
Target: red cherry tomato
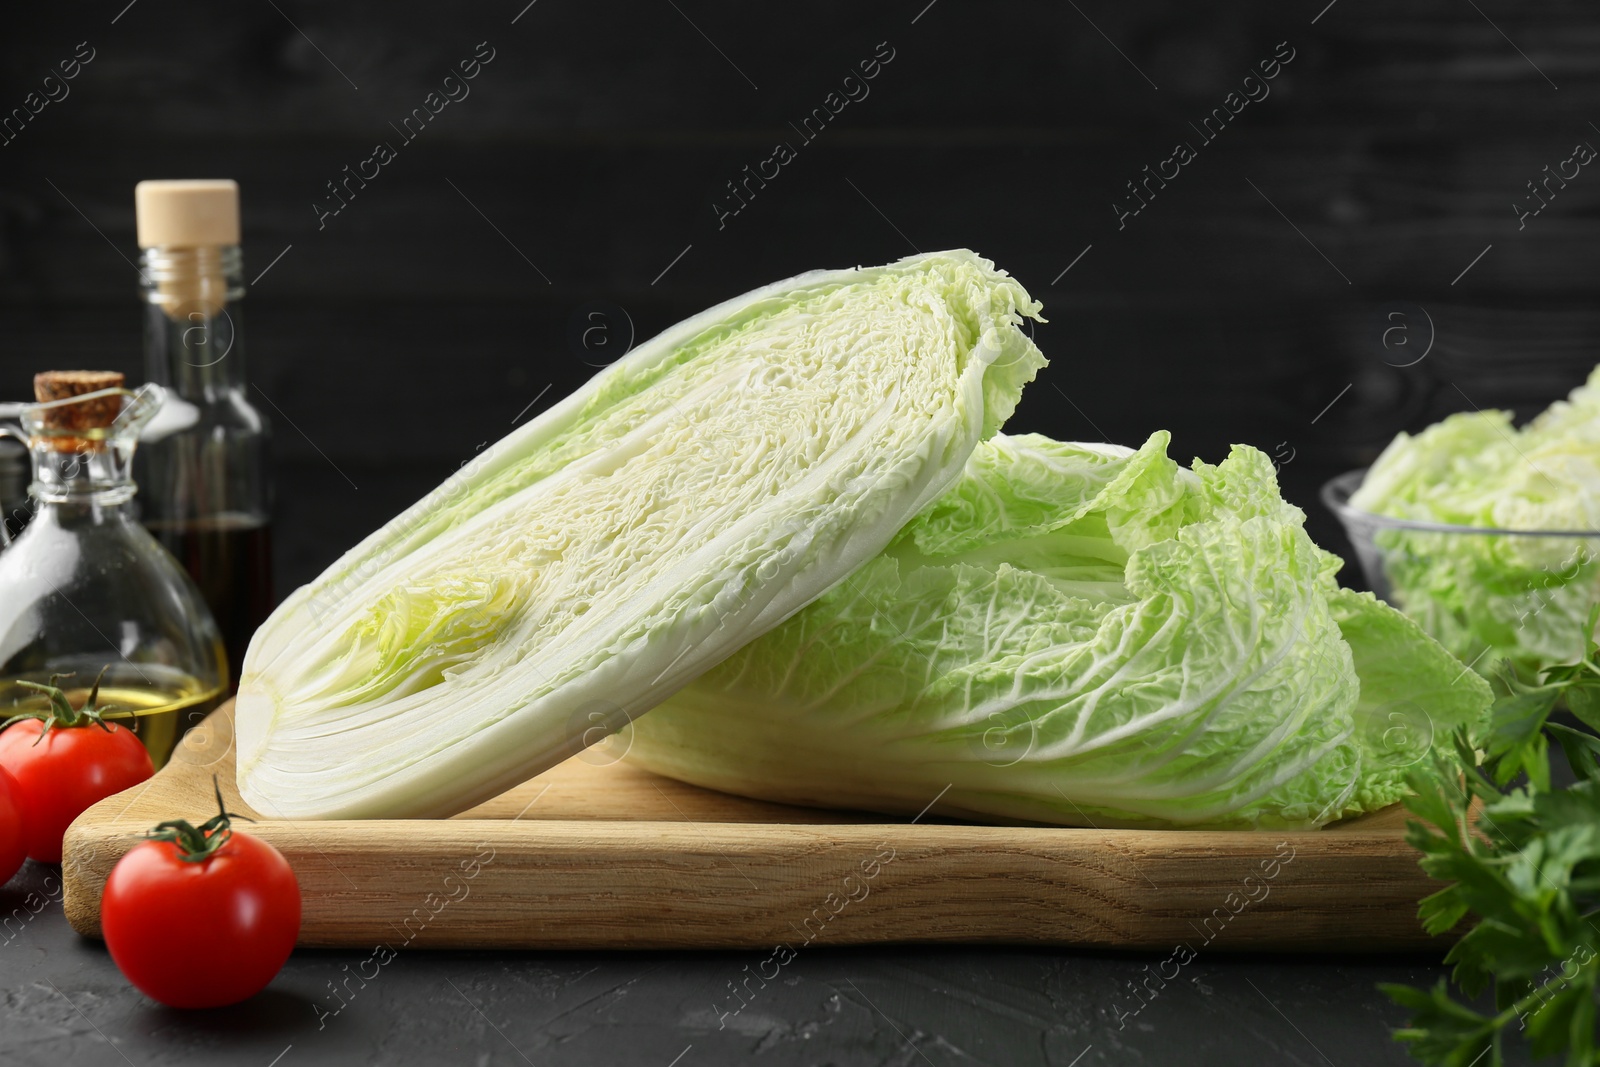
{"points": [[71, 768], [201, 933], [13, 847]]}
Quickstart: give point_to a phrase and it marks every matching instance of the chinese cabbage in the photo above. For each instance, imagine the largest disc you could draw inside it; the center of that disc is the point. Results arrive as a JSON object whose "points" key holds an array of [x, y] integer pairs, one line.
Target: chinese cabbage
{"points": [[1081, 635], [687, 499]]}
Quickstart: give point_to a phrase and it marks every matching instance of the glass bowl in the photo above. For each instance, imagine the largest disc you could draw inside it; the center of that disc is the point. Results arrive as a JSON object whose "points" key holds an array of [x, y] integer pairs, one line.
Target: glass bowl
{"points": [[1488, 595]]}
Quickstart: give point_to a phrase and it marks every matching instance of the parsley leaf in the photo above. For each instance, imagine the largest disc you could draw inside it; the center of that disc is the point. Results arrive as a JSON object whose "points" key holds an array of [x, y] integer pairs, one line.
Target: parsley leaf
{"points": [[1523, 865]]}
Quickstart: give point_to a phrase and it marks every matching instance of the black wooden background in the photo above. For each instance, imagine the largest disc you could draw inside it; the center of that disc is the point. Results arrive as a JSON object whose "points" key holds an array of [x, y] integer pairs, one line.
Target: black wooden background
{"points": [[580, 174]]}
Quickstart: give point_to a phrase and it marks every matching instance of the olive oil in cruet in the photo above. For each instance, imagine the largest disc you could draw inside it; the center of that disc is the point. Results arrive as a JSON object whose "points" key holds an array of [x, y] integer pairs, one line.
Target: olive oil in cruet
{"points": [[84, 587]]}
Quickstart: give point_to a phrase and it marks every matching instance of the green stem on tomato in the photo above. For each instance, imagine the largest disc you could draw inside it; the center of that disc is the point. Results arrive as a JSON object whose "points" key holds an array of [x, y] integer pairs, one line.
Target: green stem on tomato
{"points": [[61, 712], [196, 844]]}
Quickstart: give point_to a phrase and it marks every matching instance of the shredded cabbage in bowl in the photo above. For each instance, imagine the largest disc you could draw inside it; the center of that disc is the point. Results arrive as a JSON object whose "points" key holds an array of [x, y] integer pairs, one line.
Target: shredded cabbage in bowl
{"points": [[1516, 581]]}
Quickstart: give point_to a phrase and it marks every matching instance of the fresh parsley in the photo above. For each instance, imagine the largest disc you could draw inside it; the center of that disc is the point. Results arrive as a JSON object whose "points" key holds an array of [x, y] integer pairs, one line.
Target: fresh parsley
{"points": [[1524, 863]]}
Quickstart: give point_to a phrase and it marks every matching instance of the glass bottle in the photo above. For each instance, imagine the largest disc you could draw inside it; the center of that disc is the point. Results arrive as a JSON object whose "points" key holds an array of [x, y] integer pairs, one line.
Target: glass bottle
{"points": [[206, 486], [86, 587], [14, 470]]}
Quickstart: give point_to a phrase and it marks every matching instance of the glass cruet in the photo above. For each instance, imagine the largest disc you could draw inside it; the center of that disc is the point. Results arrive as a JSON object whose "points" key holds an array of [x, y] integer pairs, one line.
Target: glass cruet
{"points": [[84, 586]]}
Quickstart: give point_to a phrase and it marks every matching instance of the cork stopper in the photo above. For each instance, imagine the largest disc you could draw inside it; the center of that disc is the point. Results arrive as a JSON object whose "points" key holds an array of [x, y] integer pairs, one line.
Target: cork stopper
{"points": [[95, 414], [187, 213], [189, 230]]}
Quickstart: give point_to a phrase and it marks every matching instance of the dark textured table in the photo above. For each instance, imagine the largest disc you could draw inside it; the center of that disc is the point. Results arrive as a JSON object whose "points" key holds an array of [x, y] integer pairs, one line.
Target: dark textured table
{"points": [[65, 1003]]}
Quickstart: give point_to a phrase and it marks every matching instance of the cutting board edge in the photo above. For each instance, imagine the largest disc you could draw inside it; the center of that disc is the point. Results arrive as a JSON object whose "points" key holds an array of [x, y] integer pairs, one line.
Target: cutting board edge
{"points": [[554, 883]]}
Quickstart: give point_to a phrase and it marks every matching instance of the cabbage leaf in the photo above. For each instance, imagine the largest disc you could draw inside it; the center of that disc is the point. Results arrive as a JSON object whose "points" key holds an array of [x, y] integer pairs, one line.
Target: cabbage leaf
{"points": [[1082, 635]]}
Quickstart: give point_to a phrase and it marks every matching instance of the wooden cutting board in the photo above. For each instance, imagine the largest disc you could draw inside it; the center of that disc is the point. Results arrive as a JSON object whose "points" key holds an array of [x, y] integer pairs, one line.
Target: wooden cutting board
{"points": [[603, 855]]}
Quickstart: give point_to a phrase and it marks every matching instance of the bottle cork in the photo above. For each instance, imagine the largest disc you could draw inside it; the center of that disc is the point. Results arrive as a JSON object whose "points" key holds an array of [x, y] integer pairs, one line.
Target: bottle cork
{"points": [[97, 414], [189, 221], [187, 213]]}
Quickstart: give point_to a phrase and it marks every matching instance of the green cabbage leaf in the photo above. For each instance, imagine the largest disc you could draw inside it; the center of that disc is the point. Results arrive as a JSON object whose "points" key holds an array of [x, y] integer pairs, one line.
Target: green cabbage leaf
{"points": [[1083, 635]]}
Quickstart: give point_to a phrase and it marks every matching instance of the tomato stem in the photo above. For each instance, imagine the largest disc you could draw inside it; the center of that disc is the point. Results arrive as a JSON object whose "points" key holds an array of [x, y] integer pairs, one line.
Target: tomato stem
{"points": [[61, 712], [196, 844]]}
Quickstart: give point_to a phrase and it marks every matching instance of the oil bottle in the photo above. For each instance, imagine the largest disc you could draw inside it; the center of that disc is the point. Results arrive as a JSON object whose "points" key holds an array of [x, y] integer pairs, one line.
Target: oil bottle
{"points": [[85, 586]]}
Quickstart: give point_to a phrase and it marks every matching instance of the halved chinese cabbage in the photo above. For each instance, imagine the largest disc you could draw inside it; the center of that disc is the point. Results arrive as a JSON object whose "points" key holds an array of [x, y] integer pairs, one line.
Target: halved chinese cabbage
{"points": [[1082, 635], [686, 500]]}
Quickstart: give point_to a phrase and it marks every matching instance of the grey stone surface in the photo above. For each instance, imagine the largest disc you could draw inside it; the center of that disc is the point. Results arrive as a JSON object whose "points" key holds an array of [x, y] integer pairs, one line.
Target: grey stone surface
{"points": [[66, 1005]]}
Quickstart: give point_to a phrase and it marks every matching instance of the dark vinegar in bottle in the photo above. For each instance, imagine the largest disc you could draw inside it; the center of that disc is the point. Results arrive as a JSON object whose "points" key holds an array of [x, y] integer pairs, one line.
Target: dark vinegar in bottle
{"points": [[230, 558]]}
